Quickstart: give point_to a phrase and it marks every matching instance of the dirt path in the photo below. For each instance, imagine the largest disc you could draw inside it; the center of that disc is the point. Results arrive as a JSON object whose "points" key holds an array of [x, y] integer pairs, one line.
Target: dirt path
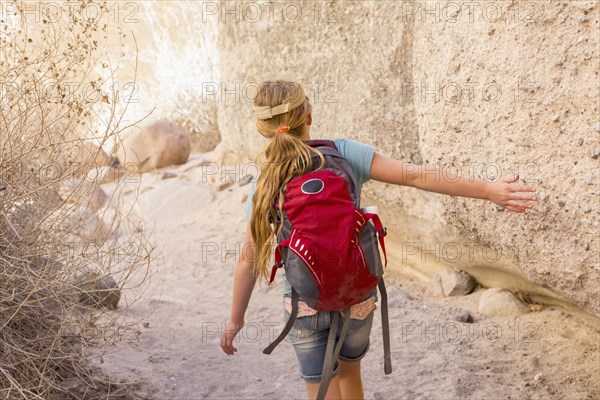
{"points": [[541, 355]]}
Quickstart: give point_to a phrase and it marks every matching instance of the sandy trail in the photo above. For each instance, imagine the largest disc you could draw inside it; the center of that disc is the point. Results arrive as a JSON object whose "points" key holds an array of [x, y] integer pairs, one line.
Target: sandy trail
{"points": [[541, 355]]}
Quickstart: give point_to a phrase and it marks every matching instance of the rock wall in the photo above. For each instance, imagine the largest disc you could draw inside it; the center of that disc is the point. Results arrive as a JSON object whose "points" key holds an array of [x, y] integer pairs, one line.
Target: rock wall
{"points": [[519, 92], [481, 88]]}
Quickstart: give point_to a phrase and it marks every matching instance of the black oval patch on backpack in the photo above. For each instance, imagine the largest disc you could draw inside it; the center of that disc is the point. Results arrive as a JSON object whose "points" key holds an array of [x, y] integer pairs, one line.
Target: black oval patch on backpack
{"points": [[312, 186]]}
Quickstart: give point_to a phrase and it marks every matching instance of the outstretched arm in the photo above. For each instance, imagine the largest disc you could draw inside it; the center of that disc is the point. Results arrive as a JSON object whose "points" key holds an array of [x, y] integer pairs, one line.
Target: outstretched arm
{"points": [[243, 284], [433, 179]]}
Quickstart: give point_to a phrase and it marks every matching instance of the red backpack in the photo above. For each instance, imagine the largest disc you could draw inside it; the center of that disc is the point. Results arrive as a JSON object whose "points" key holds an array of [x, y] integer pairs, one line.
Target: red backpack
{"points": [[328, 248]]}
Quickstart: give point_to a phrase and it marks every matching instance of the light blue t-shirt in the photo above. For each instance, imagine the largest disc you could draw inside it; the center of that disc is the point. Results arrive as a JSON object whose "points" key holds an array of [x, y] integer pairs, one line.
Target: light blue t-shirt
{"points": [[360, 157]]}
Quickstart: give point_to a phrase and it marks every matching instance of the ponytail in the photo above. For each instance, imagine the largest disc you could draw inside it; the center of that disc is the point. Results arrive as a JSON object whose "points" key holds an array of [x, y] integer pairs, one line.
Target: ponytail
{"points": [[285, 157]]}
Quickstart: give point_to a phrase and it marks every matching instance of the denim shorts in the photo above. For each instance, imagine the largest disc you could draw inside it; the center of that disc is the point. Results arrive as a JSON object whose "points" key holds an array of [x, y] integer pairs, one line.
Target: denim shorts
{"points": [[309, 338]]}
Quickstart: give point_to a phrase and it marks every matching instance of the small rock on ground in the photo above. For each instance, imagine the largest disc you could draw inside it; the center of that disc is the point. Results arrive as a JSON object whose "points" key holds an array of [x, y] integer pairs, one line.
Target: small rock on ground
{"points": [[101, 292], [498, 301]]}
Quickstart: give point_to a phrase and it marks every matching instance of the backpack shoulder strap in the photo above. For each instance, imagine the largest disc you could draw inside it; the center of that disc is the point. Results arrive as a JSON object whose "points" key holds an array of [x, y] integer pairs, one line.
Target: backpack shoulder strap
{"points": [[288, 325], [322, 142], [328, 148], [385, 327], [332, 350]]}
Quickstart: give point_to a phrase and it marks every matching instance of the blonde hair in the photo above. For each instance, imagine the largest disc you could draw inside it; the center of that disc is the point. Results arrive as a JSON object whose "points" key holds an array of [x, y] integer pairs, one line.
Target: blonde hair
{"points": [[284, 157]]}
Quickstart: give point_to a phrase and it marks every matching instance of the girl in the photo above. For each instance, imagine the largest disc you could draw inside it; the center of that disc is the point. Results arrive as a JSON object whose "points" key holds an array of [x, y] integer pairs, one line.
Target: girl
{"points": [[284, 116]]}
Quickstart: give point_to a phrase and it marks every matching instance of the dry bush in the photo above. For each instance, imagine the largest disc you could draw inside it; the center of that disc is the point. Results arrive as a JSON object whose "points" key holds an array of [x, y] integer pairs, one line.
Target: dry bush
{"points": [[56, 113], [197, 115]]}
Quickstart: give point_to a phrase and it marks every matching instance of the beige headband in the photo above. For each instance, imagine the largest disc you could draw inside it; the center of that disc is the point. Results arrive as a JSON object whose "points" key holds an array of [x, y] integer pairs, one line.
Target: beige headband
{"points": [[292, 102]]}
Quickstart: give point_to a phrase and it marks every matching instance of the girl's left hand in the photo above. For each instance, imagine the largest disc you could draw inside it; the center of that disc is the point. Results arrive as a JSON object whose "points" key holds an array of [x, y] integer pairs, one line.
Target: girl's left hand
{"points": [[506, 194], [231, 330]]}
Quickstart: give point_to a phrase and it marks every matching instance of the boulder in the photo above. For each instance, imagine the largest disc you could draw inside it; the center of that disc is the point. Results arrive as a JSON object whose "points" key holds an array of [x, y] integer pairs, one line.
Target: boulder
{"points": [[76, 224], [105, 174], [98, 290], [449, 282], [158, 145], [456, 283], [83, 156], [82, 193], [498, 301], [95, 286]]}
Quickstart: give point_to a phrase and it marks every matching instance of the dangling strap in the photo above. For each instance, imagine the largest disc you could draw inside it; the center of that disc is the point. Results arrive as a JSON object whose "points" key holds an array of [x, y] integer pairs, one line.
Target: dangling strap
{"points": [[330, 360], [385, 327], [288, 325], [278, 263], [381, 231]]}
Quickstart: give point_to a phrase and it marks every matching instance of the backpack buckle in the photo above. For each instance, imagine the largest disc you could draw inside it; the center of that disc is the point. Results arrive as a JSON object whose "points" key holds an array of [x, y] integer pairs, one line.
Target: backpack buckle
{"points": [[276, 266]]}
